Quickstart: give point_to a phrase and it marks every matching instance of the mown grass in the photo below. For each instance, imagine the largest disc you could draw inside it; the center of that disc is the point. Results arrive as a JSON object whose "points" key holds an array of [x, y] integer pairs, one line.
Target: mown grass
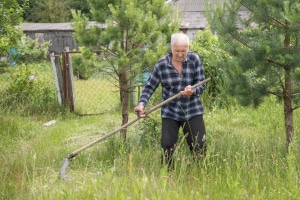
{"points": [[246, 157]]}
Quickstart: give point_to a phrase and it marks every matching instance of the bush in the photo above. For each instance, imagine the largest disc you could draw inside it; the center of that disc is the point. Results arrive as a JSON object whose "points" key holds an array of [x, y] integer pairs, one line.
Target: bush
{"points": [[84, 64], [36, 96], [207, 46], [3, 67], [30, 50], [150, 131]]}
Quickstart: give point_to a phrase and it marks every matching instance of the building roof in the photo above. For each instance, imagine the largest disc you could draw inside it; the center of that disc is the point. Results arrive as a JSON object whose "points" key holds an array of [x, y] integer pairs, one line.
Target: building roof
{"points": [[192, 12], [191, 5], [66, 26]]}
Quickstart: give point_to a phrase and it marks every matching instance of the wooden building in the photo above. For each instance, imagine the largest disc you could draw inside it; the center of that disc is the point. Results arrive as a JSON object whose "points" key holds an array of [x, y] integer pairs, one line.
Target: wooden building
{"points": [[60, 34], [192, 15]]}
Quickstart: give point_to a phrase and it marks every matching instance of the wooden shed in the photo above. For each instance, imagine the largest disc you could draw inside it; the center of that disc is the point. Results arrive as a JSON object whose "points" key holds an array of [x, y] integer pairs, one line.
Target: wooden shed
{"points": [[60, 34], [192, 15]]}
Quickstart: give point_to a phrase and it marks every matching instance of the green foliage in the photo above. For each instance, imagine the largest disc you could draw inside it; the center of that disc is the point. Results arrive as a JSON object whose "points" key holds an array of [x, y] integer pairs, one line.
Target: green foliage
{"points": [[48, 11], [37, 96], [30, 50], [130, 27], [3, 66], [150, 131], [263, 40], [213, 57], [27, 8], [10, 16], [52, 11], [84, 64], [241, 162], [81, 5]]}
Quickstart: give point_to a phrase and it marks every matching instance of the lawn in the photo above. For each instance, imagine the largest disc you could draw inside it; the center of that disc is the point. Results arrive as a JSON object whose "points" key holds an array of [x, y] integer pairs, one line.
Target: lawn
{"points": [[246, 156], [246, 159]]}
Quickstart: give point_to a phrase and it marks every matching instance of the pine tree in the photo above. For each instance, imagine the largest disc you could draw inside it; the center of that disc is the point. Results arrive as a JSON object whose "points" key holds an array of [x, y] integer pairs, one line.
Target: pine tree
{"points": [[263, 36], [135, 36]]}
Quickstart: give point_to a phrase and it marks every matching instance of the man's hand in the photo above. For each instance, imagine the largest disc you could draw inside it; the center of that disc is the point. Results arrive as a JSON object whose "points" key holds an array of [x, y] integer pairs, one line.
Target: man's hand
{"points": [[187, 91], [139, 111]]}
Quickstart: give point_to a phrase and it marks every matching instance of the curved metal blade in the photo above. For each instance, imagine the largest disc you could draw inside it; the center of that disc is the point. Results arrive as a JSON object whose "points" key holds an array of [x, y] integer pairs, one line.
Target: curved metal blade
{"points": [[64, 168], [72, 155]]}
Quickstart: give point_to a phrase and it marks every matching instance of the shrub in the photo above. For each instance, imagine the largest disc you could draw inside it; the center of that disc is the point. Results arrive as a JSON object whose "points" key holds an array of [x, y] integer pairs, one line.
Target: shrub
{"points": [[30, 50], [84, 64], [36, 96], [208, 47], [150, 131]]}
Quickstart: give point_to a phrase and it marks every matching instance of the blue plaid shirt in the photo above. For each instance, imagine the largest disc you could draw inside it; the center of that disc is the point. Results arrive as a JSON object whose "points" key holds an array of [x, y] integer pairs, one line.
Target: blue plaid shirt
{"points": [[182, 108]]}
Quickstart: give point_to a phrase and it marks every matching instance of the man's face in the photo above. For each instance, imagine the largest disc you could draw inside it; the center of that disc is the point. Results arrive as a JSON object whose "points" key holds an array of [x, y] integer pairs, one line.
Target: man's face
{"points": [[179, 51]]}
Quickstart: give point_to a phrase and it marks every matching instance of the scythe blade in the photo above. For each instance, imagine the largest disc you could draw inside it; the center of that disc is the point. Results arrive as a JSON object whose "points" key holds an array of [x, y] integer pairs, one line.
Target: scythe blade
{"points": [[67, 160]]}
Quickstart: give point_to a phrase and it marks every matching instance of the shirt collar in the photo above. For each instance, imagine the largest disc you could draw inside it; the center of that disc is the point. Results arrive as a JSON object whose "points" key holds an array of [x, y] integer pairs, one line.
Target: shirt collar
{"points": [[170, 56]]}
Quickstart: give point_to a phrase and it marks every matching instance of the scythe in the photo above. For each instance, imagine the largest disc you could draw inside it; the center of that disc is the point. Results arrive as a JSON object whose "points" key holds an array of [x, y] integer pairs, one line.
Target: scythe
{"points": [[69, 158]]}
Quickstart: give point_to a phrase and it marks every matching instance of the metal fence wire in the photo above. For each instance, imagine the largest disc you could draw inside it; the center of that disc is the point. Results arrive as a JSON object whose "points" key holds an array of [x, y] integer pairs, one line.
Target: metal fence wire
{"points": [[95, 95]]}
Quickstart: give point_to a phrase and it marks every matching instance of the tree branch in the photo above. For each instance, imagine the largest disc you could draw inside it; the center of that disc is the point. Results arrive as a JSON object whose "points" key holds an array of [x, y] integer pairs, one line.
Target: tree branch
{"points": [[276, 94], [295, 108], [235, 37], [275, 62], [296, 94], [277, 22], [281, 82]]}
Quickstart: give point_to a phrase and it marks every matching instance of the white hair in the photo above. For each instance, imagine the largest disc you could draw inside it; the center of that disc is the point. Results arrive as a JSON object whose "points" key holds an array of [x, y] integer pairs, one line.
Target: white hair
{"points": [[180, 38]]}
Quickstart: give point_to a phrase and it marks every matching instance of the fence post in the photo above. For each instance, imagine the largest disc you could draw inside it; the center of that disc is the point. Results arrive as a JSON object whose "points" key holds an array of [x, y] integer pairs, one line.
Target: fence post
{"points": [[71, 81], [58, 90], [58, 70], [68, 89]]}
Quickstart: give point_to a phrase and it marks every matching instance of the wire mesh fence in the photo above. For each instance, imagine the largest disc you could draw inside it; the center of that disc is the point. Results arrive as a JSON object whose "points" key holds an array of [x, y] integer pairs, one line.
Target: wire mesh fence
{"points": [[56, 82], [89, 96], [95, 96]]}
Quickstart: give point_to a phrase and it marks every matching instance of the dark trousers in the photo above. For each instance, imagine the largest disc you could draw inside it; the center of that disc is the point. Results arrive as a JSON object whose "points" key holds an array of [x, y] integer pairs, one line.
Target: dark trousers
{"points": [[194, 132]]}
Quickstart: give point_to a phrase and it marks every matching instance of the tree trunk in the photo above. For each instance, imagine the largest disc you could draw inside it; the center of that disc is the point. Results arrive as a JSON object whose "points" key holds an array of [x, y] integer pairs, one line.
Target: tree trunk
{"points": [[288, 110], [287, 97], [124, 100]]}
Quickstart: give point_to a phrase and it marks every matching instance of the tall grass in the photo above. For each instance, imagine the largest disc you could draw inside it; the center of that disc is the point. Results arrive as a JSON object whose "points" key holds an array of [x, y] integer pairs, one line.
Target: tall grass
{"points": [[19, 95], [246, 158]]}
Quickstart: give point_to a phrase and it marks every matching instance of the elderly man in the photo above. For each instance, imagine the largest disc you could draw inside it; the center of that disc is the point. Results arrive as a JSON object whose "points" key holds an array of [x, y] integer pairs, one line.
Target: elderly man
{"points": [[176, 72]]}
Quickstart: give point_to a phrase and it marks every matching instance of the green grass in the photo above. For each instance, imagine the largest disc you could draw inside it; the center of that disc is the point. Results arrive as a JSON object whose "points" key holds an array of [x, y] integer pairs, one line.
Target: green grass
{"points": [[246, 156], [90, 98], [246, 159]]}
